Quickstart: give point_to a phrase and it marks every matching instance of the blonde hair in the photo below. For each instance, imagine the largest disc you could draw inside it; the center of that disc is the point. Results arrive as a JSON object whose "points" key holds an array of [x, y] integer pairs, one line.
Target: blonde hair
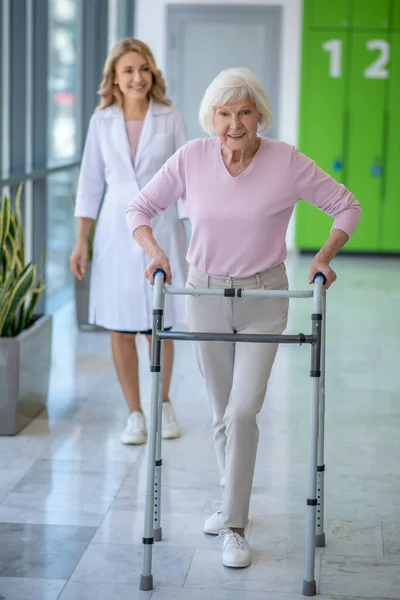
{"points": [[234, 85], [110, 93]]}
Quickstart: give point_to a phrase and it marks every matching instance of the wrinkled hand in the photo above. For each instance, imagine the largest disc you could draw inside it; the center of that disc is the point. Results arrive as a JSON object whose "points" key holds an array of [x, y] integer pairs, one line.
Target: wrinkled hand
{"points": [[78, 260], [320, 266], [160, 261]]}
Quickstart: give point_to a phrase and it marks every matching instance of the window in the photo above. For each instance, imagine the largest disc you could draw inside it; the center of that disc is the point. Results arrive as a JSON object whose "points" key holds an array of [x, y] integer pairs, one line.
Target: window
{"points": [[4, 89], [120, 20], [63, 80], [60, 232]]}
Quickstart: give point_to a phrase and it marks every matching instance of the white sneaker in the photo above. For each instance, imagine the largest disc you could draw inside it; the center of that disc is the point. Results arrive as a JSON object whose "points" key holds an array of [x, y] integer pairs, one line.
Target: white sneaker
{"points": [[213, 525], [135, 431], [170, 427], [236, 551]]}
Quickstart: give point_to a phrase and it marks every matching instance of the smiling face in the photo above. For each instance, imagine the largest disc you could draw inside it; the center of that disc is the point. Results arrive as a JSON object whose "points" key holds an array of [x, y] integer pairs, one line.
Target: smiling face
{"points": [[236, 124], [133, 76]]}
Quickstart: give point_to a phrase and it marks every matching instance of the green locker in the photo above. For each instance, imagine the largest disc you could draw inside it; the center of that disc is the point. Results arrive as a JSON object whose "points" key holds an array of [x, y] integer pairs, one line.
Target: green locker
{"points": [[366, 107], [357, 14], [395, 18], [349, 117], [370, 15], [390, 232], [329, 15], [325, 97]]}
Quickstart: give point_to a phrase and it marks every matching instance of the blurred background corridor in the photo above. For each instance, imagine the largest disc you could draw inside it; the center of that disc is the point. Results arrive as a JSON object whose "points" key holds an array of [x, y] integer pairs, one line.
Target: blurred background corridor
{"points": [[71, 495]]}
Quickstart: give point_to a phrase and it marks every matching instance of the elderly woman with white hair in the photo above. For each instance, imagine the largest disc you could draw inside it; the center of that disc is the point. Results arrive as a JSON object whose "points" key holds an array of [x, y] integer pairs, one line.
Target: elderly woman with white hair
{"points": [[239, 191]]}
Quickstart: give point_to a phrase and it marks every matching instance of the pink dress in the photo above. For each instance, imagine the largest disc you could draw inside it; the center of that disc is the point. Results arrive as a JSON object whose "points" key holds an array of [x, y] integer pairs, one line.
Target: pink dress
{"points": [[133, 130]]}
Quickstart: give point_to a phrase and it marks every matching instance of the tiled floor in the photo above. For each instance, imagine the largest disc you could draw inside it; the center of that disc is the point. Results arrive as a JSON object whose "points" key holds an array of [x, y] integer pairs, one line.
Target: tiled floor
{"points": [[72, 498]]}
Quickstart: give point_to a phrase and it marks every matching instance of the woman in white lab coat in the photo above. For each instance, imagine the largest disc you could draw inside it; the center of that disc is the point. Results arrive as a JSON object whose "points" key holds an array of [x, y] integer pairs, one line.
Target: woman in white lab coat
{"points": [[133, 132]]}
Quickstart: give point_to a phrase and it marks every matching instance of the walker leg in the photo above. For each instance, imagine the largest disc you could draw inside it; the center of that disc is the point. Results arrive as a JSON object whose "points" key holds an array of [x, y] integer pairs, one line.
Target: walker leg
{"points": [[157, 529], [146, 578], [309, 583], [320, 537]]}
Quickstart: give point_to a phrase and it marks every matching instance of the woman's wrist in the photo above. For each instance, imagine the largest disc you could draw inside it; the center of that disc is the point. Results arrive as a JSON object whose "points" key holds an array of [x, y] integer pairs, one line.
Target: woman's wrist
{"points": [[154, 252], [323, 257], [85, 225], [82, 239], [332, 246]]}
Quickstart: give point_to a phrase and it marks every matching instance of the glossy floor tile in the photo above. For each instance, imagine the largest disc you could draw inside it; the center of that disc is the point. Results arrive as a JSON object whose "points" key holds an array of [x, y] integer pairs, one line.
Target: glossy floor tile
{"points": [[118, 563], [218, 594], [269, 572], [55, 509], [76, 590], [342, 538], [178, 528], [72, 498], [16, 588], [41, 551], [391, 538], [361, 575], [9, 479], [175, 500]]}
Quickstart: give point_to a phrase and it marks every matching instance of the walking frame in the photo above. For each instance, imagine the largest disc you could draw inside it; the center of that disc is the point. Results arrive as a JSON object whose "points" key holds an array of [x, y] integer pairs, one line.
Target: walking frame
{"points": [[315, 536]]}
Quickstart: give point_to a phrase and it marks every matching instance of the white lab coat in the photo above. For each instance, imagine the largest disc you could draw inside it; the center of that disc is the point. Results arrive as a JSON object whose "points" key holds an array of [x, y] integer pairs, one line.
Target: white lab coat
{"points": [[120, 296]]}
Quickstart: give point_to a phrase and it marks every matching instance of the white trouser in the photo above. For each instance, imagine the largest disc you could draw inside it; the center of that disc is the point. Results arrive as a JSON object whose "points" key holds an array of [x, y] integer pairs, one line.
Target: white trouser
{"points": [[236, 374]]}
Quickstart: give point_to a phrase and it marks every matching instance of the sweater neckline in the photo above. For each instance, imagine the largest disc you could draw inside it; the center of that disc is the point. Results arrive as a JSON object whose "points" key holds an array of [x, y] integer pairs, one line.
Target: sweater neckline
{"points": [[249, 167]]}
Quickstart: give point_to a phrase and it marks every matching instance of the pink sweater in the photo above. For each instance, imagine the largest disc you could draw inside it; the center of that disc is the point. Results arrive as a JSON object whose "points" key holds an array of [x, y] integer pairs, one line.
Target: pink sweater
{"points": [[239, 223]]}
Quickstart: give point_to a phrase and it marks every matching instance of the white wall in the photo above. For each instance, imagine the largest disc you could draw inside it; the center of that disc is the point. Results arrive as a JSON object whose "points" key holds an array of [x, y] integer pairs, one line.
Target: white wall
{"points": [[151, 28]]}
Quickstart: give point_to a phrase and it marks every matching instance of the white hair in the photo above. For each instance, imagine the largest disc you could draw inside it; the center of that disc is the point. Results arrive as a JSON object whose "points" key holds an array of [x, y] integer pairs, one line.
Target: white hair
{"points": [[234, 85]]}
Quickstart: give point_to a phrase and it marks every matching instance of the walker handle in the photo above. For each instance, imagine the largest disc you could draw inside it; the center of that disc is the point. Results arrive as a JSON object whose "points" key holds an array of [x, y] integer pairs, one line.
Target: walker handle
{"points": [[320, 275], [163, 273]]}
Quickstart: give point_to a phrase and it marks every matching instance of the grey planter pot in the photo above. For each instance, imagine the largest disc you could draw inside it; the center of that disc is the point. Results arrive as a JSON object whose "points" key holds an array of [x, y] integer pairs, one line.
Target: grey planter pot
{"points": [[25, 363], [82, 302]]}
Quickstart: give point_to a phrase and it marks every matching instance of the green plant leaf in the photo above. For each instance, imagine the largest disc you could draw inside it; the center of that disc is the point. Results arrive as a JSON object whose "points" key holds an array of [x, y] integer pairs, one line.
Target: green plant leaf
{"points": [[19, 291], [13, 225], [5, 292], [17, 297], [5, 263], [12, 250], [5, 287], [4, 296], [17, 324], [20, 231], [28, 313], [5, 218], [35, 295]]}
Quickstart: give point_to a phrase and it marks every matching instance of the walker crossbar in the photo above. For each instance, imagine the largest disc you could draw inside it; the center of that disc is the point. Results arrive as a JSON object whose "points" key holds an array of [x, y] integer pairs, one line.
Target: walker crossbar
{"points": [[315, 535], [182, 336], [239, 293]]}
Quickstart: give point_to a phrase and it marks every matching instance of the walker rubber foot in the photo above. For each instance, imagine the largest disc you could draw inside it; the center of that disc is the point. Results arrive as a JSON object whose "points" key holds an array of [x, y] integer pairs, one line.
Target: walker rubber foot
{"points": [[146, 583], [320, 541], [309, 588]]}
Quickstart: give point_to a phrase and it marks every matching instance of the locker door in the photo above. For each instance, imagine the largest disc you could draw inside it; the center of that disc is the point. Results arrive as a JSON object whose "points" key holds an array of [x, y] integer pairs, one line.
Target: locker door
{"points": [[364, 164], [327, 15], [370, 14], [390, 241], [395, 19], [321, 123]]}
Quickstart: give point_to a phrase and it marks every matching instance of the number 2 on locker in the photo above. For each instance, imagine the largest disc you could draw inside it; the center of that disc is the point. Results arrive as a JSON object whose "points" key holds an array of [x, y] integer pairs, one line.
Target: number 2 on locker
{"points": [[376, 70]]}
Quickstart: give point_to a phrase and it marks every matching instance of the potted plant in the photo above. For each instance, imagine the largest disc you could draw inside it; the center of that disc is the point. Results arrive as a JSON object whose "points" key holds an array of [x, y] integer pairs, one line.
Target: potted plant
{"points": [[25, 336]]}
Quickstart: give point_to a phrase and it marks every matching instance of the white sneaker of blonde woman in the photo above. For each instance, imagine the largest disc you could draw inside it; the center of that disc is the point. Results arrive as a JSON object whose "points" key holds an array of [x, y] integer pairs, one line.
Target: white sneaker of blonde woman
{"points": [[236, 551], [170, 427], [135, 431]]}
